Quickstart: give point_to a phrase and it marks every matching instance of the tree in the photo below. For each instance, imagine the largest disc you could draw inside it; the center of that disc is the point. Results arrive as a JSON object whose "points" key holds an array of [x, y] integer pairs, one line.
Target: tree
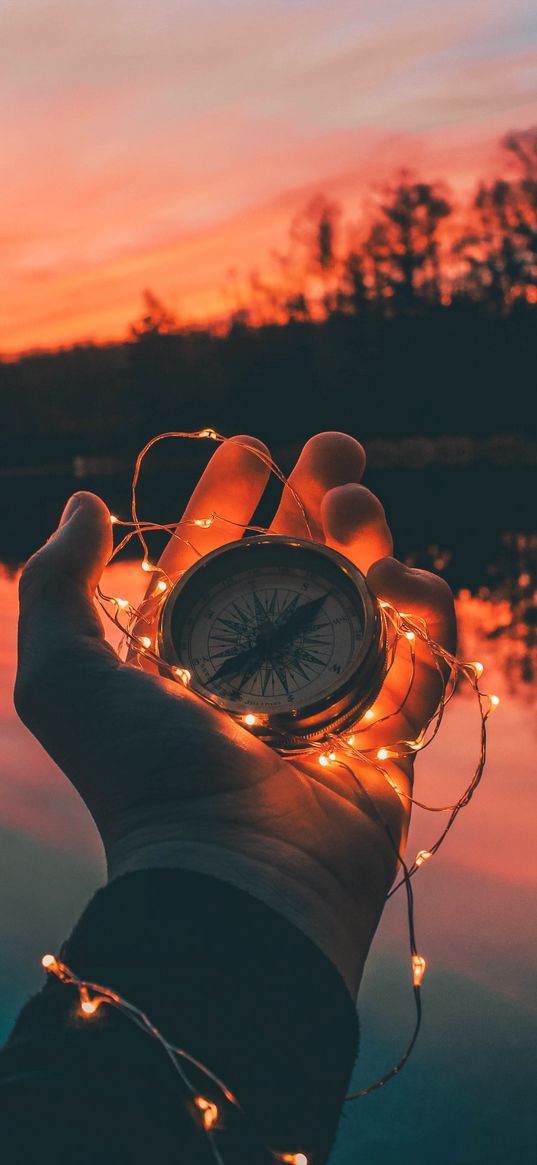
{"points": [[401, 251]]}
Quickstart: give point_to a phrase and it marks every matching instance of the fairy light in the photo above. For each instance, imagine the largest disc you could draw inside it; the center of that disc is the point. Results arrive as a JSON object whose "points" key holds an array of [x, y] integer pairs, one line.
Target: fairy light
{"points": [[113, 520], [418, 969], [88, 1006], [208, 1110], [405, 626], [212, 1116]]}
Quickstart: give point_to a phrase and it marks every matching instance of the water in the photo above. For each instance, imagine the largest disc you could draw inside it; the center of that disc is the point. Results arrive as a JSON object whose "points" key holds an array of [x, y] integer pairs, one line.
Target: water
{"points": [[465, 1097]]}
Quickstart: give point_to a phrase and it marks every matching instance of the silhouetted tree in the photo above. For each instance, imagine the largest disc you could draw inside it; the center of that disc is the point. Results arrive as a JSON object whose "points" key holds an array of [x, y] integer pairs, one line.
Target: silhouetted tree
{"points": [[155, 320], [402, 248], [500, 253]]}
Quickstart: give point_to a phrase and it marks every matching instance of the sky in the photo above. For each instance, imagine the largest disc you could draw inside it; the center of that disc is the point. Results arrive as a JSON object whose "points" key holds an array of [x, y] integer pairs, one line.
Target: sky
{"points": [[166, 145]]}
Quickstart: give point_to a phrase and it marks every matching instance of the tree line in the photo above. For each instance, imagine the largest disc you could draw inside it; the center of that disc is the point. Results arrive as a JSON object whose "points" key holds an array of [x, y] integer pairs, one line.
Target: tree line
{"points": [[421, 320]]}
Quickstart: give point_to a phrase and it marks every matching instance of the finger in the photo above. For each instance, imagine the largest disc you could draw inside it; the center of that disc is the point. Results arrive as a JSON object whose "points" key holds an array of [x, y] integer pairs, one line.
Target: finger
{"points": [[59, 629], [327, 460], [426, 596], [231, 488], [354, 523]]}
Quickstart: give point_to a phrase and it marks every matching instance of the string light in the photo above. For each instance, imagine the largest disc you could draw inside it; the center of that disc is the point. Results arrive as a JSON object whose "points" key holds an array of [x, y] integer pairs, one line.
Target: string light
{"points": [[418, 969], [212, 1117], [113, 520], [209, 1111], [403, 625], [122, 604]]}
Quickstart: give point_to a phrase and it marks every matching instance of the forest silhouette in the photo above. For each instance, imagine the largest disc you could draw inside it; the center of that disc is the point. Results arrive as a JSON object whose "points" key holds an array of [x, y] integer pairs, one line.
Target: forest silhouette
{"points": [[414, 330]]}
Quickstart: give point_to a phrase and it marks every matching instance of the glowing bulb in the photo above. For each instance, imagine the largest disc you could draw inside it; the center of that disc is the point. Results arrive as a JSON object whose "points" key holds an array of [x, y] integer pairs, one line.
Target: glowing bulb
{"points": [[495, 700], [87, 1006], [478, 668], [409, 635], [147, 565], [382, 754], [162, 585], [208, 433], [48, 961], [331, 756], [369, 714], [382, 604], [422, 856], [350, 740], [123, 603], [183, 674], [208, 1110], [418, 969], [295, 1158], [323, 760], [145, 640], [250, 719], [204, 523], [113, 519]]}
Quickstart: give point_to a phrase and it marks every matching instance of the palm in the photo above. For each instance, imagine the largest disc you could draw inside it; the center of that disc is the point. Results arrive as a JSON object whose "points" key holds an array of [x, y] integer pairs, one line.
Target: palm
{"points": [[152, 760]]}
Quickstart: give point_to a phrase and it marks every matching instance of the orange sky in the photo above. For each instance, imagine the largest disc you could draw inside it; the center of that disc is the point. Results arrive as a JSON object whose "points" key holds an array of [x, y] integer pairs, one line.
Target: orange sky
{"points": [[160, 146]]}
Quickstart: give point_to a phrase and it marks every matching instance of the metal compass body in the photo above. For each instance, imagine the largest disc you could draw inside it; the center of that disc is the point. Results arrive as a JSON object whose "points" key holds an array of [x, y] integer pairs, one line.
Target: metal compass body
{"points": [[282, 633]]}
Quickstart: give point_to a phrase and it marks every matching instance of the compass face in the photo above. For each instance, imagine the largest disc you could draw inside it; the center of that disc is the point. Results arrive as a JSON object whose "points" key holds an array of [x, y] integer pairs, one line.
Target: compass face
{"points": [[272, 627]]}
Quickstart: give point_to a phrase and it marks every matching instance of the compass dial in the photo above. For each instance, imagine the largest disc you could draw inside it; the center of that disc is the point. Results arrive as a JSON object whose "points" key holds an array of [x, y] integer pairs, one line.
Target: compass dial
{"points": [[272, 627]]}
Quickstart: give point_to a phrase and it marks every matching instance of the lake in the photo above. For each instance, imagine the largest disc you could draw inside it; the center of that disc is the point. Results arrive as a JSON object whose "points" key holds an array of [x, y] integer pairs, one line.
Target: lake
{"points": [[466, 1095]]}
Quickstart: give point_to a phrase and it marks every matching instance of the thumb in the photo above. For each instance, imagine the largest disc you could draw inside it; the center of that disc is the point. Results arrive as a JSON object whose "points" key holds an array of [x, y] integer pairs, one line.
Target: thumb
{"points": [[59, 629]]}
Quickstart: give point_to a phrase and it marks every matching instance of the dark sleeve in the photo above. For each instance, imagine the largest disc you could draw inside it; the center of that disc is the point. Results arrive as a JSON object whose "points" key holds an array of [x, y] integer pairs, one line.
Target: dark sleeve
{"points": [[221, 975]]}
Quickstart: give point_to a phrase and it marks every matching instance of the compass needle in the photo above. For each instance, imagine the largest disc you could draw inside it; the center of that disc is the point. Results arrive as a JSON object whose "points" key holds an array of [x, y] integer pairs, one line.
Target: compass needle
{"points": [[280, 629]]}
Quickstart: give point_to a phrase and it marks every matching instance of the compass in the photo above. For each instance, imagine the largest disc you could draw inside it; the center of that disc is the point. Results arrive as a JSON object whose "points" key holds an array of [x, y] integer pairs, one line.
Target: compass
{"points": [[281, 633]]}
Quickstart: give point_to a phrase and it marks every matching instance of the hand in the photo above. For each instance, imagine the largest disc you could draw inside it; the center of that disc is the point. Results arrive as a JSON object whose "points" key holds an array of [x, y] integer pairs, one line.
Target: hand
{"points": [[172, 781]]}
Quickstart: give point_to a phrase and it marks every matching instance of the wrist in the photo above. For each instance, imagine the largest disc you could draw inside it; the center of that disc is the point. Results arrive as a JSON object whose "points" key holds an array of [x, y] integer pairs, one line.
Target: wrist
{"points": [[280, 875]]}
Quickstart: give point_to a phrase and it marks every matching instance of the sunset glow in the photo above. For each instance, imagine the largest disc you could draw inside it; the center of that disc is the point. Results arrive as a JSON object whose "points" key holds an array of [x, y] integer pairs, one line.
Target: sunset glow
{"points": [[167, 146]]}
